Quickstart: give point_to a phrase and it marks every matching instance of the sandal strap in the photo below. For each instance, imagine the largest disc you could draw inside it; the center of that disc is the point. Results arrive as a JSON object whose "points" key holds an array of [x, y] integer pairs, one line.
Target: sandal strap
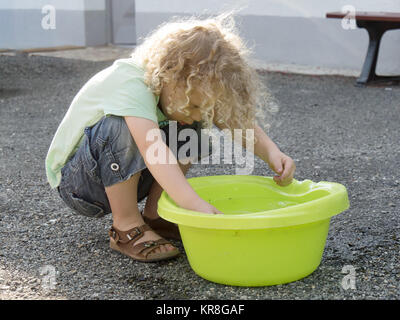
{"points": [[129, 235], [126, 241], [145, 248]]}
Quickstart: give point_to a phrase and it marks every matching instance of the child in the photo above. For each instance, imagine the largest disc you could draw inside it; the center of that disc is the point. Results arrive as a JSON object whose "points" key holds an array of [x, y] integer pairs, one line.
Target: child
{"points": [[194, 72]]}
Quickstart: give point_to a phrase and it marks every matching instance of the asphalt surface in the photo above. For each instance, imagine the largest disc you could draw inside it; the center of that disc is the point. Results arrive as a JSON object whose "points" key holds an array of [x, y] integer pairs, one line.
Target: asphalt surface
{"points": [[334, 131]]}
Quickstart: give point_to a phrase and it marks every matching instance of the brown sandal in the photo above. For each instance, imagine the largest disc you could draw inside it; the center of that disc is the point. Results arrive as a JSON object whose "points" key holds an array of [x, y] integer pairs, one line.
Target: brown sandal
{"points": [[124, 242], [164, 228]]}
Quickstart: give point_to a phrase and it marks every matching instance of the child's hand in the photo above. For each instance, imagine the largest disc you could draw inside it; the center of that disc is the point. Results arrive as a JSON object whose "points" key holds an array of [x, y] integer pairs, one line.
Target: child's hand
{"points": [[203, 206], [284, 166]]}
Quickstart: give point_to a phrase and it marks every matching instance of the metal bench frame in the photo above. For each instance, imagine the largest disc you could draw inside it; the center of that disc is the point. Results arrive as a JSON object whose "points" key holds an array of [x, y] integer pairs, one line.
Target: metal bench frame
{"points": [[375, 27]]}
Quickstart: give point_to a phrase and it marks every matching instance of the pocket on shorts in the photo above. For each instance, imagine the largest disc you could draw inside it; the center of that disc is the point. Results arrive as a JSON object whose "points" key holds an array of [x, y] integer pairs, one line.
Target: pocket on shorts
{"points": [[70, 167], [89, 162]]}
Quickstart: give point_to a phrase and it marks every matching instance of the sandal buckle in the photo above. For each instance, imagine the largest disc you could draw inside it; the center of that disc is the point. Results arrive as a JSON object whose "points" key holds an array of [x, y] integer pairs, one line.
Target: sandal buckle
{"points": [[112, 233], [137, 233], [150, 244]]}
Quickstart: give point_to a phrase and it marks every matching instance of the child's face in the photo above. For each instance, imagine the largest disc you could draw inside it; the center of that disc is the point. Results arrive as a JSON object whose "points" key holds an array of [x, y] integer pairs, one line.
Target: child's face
{"points": [[178, 97]]}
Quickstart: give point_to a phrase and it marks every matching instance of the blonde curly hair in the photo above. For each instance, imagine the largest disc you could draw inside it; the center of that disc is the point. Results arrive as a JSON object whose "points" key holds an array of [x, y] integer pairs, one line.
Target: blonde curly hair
{"points": [[209, 56]]}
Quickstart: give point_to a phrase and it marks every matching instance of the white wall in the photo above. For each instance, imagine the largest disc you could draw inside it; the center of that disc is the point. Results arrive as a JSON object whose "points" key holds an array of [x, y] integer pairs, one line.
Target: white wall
{"points": [[289, 31], [76, 23], [58, 4], [282, 8], [38, 4]]}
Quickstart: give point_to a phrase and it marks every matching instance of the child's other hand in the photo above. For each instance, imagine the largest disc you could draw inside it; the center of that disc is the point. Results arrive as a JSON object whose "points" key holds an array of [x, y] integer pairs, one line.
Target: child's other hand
{"points": [[284, 166]]}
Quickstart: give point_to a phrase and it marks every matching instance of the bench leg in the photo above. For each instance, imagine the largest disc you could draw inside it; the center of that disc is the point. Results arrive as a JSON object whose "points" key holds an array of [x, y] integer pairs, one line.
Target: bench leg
{"points": [[369, 67]]}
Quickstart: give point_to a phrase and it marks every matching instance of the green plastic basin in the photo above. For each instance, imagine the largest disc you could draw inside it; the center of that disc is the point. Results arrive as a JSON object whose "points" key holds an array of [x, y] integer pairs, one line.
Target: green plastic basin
{"points": [[267, 235]]}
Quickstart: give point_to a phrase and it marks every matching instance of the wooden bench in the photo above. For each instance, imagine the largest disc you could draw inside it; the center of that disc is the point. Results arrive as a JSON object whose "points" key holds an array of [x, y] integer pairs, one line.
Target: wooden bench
{"points": [[376, 23]]}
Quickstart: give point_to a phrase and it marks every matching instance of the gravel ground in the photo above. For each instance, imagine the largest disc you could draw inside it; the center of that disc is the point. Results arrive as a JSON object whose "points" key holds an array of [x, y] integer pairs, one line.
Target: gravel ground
{"points": [[334, 131]]}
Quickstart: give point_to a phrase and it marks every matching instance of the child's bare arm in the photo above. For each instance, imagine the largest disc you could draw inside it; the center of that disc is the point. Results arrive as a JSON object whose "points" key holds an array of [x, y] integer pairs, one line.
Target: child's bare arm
{"points": [[168, 175], [269, 152], [279, 162]]}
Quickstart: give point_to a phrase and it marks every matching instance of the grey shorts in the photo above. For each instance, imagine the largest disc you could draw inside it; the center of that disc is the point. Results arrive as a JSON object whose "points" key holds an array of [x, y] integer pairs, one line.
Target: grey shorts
{"points": [[109, 155]]}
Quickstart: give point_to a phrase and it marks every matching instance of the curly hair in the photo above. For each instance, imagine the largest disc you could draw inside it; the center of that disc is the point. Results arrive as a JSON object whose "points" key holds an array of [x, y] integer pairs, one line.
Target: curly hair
{"points": [[209, 56]]}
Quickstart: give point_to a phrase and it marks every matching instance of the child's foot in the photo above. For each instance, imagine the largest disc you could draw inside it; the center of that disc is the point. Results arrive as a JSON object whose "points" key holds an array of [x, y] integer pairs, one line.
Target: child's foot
{"points": [[141, 243], [163, 227]]}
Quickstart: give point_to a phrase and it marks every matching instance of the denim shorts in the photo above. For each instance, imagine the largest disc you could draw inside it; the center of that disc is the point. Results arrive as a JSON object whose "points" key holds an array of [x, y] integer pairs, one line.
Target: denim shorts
{"points": [[108, 155]]}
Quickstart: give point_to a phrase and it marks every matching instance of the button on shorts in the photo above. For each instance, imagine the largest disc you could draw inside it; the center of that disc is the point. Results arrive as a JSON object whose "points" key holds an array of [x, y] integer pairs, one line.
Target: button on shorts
{"points": [[108, 155]]}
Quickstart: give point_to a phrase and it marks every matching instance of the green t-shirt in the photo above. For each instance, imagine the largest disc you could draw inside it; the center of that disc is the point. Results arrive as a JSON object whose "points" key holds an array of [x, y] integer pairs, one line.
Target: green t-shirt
{"points": [[118, 90]]}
